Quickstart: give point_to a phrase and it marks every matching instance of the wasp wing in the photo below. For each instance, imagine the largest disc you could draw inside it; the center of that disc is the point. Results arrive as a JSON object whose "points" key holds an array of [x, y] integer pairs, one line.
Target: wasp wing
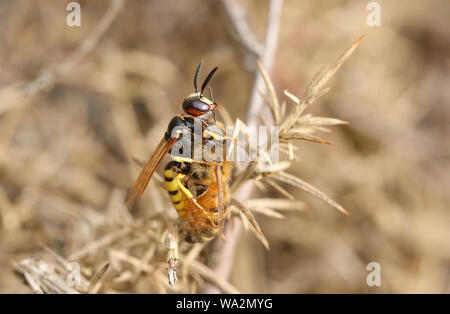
{"points": [[146, 173]]}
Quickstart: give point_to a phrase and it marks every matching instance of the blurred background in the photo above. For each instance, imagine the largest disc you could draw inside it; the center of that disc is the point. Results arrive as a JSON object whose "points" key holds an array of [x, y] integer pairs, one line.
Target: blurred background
{"points": [[77, 106]]}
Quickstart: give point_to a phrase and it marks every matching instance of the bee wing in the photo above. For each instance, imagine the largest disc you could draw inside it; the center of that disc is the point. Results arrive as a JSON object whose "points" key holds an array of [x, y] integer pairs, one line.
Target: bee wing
{"points": [[220, 205], [146, 173]]}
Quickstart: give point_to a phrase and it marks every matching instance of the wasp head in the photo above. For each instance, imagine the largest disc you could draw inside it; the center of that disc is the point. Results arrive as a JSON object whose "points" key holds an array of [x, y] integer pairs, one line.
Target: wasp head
{"points": [[197, 104]]}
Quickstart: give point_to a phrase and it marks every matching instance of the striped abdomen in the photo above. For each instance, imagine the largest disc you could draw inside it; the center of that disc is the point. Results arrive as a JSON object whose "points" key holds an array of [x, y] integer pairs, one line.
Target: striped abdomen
{"points": [[175, 194], [200, 217]]}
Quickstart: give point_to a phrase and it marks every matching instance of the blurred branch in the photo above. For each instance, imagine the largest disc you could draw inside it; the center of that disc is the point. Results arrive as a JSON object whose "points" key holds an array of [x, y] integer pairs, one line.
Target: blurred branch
{"points": [[91, 41], [47, 77], [211, 275], [273, 25], [244, 34], [43, 277], [224, 251]]}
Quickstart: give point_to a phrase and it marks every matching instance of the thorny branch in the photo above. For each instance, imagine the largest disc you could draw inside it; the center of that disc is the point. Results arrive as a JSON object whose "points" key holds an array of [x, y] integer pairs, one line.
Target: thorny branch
{"points": [[225, 250], [293, 127]]}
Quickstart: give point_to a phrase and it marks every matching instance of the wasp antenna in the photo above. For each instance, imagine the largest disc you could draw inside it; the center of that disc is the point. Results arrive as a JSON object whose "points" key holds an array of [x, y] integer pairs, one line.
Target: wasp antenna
{"points": [[197, 73], [211, 94], [210, 75]]}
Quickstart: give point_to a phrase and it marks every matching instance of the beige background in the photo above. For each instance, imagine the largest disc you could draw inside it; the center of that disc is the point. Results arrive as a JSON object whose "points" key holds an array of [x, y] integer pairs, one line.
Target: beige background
{"points": [[64, 154]]}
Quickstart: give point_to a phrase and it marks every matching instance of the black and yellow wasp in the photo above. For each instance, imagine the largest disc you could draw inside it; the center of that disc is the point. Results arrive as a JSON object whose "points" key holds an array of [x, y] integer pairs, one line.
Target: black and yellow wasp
{"points": [[198, 189]]}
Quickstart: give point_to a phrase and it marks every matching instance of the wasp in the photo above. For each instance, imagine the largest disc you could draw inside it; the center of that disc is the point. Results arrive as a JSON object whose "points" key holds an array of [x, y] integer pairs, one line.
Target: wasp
{"points": [[198, 189]]}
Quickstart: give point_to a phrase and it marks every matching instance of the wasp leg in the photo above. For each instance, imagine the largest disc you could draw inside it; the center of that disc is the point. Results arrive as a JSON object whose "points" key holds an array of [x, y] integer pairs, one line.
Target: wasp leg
{"points": [[215, 136], [219, 137], [178, 178], [220, 207]]}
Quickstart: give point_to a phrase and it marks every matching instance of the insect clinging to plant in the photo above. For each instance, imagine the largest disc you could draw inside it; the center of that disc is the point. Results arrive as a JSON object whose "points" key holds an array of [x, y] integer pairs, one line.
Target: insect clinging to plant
{"points": [[197, 188]]}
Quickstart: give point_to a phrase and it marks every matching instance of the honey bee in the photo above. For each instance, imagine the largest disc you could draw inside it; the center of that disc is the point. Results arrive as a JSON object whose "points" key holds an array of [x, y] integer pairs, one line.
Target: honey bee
{"points": [[198, 189]]}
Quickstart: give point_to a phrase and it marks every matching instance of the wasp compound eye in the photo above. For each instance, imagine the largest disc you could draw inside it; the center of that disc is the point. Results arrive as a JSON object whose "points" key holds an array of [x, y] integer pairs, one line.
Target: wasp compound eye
{"points": [[196, 107], [200, 106]]}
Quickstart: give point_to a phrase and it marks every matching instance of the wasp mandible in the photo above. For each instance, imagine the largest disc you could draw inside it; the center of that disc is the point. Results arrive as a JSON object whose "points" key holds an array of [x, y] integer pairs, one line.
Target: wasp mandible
{"points": [[198, 189]]}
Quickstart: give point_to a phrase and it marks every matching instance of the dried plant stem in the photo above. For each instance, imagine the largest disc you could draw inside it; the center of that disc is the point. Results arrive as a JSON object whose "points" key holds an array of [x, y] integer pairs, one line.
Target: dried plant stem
{"points": [[273, 25], [210, 275], [100, 243], [244, 34], [172, 258]]}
